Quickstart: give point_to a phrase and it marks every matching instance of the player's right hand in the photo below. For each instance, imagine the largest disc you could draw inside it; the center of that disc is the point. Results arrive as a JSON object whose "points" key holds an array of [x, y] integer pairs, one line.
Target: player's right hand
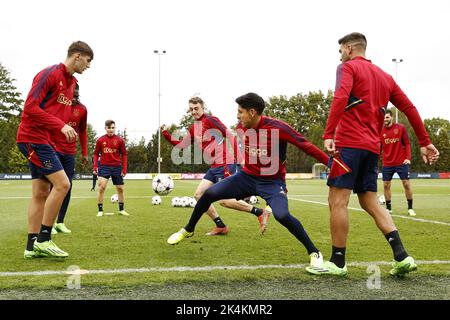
{"points": [[429, 154], [94, 172], [69, 132], [84, 161], [329, 146]]}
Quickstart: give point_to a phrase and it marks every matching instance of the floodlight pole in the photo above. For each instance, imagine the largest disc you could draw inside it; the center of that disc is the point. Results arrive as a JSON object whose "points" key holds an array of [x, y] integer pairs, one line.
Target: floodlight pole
{"points": [[159, 107], [396, 61]]}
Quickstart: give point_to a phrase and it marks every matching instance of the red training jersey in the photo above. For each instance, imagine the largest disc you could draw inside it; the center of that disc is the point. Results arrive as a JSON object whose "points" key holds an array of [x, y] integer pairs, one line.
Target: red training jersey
{"points": [[76, 117], [395, 145], [361, 95], [112, 152], [50, 96], [212, 136], [265, 148]]}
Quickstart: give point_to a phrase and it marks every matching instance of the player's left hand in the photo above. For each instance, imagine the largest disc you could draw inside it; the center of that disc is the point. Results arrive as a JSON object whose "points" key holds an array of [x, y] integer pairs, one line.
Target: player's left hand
{"points": [[429, 154], [123, 174], [408, 162], [84, 161], [329, 146]]}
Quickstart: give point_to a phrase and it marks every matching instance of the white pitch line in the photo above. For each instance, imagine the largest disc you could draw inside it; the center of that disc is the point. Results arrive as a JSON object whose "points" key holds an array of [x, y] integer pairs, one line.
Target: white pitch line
{"points": [[200, 269], [359, 209], [394, 195], [143, 197], [81, 197]]}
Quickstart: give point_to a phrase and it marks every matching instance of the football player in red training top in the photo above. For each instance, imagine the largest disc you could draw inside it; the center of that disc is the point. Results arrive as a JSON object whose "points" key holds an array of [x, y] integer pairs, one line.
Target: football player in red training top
{"points": [[43, 124], [352, 137], [396, 150], [265, 144], [113, 164], [76, 117], [213, 136]]}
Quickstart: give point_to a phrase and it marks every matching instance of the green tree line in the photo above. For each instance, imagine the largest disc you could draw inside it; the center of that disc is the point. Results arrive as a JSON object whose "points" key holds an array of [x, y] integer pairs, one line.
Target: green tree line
{"points": [[307, 113]]}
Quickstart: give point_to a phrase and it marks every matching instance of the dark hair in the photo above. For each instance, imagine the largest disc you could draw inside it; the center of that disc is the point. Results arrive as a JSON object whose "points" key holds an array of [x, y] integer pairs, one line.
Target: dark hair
{"points": [[388, 111], [80, 47], [251, 101], [108, 123], [195, 100], [355, 38]]}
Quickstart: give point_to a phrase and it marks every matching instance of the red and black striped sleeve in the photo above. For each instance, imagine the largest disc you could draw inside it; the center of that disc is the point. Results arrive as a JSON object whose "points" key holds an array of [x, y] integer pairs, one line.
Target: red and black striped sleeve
{"points": [[186, 141], [289, 134], [42, 88], [344, 84]]}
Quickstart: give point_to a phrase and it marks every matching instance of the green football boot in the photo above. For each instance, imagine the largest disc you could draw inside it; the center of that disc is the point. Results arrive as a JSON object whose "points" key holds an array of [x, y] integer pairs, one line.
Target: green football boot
{"points": [[177, 237], [61, 227], [400, 268], [49, 248], [328, 268], [33, 254]]}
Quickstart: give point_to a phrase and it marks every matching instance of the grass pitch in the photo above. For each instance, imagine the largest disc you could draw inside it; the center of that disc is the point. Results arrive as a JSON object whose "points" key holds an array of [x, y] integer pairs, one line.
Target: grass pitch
{"points": [[128, 257]]}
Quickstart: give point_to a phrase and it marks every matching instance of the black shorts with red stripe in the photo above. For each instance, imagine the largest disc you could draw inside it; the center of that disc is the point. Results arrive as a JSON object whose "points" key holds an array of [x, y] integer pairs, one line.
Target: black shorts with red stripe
{"points": [[363, 173], [42, 159]]}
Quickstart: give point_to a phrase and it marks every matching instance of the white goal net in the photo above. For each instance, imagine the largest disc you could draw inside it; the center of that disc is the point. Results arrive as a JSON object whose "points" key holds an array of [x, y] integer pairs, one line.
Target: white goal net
{"points": [[319, 171]]}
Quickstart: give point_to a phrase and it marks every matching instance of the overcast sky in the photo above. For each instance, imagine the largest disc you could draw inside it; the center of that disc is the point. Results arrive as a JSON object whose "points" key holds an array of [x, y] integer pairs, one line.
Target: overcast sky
{"points": [[221, 50]]}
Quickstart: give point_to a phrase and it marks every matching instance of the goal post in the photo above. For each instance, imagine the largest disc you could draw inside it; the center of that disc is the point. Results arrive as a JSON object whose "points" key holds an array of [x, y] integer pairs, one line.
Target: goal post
{"points": [[319, 171]]}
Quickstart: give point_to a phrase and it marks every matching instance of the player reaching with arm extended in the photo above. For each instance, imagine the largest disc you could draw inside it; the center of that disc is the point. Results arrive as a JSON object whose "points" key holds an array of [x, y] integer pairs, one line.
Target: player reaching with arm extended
{"points": [[265, 143], [42, 123], [113, 164], [212, 135], [352, 136]]}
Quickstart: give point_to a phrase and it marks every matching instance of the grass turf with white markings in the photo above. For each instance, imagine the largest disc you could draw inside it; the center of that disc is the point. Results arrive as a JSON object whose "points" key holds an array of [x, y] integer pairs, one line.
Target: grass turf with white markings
{"points": [[139, 241]]}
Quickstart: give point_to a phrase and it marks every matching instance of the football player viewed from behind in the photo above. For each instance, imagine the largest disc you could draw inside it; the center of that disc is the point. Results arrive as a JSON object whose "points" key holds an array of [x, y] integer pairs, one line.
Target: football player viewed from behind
{"points": [[352, 137]]}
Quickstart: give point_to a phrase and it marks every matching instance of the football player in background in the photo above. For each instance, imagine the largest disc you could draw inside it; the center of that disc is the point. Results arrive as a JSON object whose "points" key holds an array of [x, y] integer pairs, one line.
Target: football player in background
{"points": [[396, 150], [113, 164]]}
